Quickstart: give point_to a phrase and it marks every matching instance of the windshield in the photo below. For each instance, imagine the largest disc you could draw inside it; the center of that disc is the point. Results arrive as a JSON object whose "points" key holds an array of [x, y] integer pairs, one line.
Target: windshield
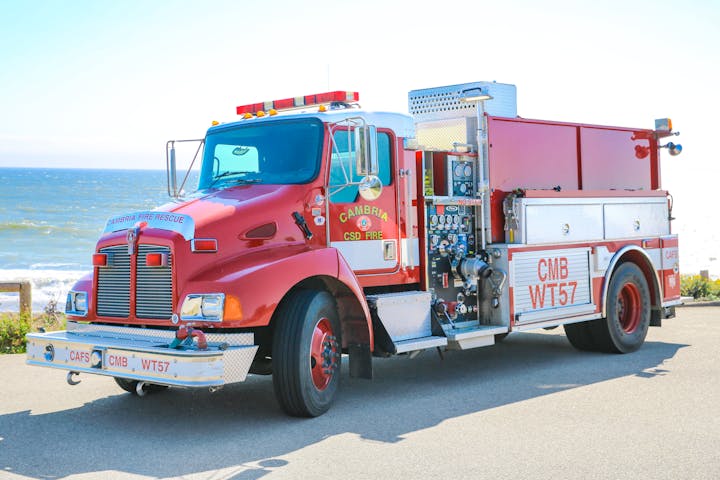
{"points": [[279, 152]]}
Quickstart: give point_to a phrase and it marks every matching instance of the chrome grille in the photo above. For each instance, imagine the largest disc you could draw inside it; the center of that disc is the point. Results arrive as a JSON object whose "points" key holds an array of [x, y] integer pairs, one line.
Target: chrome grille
{"points": [[113, 292], [153, 296], [154, 285]]}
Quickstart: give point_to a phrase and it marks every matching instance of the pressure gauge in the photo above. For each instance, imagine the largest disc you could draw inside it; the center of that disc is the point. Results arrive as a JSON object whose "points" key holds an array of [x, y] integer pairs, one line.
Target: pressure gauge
{"points": [[459, 170], [468, 170]]}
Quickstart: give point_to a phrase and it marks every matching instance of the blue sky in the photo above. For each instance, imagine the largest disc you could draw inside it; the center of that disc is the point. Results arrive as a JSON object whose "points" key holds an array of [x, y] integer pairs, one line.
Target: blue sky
{"points": [[105, 84], [100, 83]]}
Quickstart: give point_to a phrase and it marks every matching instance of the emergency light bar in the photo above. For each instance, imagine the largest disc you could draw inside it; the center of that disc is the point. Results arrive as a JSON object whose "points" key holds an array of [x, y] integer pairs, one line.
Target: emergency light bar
{"points": [[297, 102]]}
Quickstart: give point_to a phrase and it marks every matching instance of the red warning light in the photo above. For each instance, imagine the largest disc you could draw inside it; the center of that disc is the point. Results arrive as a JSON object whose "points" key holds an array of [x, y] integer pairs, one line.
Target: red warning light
{"points": [[304, 101]]}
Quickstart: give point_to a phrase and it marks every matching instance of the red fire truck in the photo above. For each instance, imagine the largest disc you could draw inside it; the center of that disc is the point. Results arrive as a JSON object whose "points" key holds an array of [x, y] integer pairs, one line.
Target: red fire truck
{"points": [[319, 229]]}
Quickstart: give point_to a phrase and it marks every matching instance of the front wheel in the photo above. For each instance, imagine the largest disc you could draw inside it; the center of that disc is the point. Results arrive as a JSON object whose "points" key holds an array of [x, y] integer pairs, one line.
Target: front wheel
{"points": [[306, 353], [628, 312]]}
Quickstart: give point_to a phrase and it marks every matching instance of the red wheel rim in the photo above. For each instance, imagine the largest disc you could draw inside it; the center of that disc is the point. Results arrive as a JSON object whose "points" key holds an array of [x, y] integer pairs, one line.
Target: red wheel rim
{"points": [[324, 354], [628, 308]]}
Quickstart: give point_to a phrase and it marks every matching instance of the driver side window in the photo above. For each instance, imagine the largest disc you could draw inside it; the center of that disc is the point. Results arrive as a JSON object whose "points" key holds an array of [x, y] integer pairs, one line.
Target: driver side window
{"points": [[343, 180]]}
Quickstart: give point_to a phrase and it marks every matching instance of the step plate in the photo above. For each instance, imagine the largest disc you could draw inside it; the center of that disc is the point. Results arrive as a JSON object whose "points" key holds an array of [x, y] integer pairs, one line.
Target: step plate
{"points": [[473, 337], [420, 344]]}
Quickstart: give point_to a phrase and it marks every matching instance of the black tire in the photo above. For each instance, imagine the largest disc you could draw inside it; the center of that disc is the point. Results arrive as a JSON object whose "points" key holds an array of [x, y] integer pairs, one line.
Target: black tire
{"points": [[131, 386], [628, 312], [580, 335], [306, 353]]}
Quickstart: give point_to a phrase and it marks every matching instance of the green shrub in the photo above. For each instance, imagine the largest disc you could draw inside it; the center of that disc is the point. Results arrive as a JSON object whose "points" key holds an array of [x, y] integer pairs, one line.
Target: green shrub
{"points": [[699, 288], [12, 333], [715, 288], [14, 327]]}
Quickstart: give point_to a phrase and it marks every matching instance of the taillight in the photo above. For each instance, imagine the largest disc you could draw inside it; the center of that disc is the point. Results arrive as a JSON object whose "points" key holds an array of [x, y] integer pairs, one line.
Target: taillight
{"points": [[203, 245], [156, 260]]}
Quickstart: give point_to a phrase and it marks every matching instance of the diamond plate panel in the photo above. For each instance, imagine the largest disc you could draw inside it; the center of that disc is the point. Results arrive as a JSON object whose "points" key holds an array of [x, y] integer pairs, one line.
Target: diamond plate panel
{"points": [[128, 333], [237, 363], [443, 103]]}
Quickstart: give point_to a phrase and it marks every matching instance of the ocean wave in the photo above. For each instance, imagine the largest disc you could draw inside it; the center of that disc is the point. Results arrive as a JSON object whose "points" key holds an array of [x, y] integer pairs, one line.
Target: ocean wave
{"points": [[46, 229], [56, 266], [47, 286], [22, 225]]}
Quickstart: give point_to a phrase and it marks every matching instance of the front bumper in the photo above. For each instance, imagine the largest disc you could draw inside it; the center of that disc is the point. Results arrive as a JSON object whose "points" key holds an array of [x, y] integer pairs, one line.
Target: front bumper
{"points": [[143, 354]]}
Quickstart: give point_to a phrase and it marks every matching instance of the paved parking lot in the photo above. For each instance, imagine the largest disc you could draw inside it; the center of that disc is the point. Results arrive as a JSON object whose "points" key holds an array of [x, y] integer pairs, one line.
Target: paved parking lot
{"points": [[531, 407]]}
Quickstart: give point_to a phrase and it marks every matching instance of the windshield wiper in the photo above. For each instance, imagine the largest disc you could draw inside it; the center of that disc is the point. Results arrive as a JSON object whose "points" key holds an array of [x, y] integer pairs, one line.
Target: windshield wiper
{"points": [[230, 173]]}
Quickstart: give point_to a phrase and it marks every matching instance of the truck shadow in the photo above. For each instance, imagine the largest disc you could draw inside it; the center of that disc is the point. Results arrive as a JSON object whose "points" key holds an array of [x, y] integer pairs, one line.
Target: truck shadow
{"points": [[241, 429]]}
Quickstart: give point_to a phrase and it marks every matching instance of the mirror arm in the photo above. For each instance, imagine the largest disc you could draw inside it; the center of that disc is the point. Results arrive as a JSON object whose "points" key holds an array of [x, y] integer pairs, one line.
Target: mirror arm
{"points": [[171, 168], [187, 173]]}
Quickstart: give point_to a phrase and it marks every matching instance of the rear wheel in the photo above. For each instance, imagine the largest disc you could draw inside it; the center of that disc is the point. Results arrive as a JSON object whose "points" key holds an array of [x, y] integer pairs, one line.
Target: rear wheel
{"points": [[306, 353], [628, 312]]}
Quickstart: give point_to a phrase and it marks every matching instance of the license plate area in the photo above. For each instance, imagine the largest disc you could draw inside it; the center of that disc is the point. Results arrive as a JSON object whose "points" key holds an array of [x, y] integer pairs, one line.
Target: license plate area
{"points": [[151, 362]]}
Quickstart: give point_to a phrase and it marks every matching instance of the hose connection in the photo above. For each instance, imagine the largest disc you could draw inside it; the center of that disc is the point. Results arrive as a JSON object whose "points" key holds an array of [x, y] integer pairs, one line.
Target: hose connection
{"points": [[185, 335]]}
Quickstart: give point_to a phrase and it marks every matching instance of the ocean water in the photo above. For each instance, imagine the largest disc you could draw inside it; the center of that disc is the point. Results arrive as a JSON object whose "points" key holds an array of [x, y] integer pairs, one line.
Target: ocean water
{"points": [[50, 220]]}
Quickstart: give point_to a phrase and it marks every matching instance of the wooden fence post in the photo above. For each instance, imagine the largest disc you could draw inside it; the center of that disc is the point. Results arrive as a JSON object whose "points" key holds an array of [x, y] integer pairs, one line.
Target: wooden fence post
{"points": [[24, 289]]}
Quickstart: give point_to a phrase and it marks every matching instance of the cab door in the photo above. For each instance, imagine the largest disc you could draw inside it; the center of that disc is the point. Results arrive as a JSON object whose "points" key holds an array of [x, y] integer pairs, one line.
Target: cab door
{"points": [[366, 232]]}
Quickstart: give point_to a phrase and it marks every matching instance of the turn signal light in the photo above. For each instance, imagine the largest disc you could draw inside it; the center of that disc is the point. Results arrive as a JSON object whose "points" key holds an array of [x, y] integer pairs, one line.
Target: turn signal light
{"points": [[203, 245], [100, 260]]}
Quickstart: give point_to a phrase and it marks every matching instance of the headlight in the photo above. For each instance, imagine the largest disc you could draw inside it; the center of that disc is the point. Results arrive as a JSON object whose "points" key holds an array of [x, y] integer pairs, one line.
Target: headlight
{"points": [[76, 304], [205, 307]]}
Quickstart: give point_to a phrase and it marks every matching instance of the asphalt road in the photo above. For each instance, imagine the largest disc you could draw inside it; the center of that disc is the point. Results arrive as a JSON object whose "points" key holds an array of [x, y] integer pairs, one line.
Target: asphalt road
{"points": [[531, 407]]}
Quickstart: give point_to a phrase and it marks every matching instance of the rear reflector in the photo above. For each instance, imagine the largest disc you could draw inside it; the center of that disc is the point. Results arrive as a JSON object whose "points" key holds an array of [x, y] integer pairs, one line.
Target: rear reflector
{"points": [[204, 245], [156, 260], [100, 260]]}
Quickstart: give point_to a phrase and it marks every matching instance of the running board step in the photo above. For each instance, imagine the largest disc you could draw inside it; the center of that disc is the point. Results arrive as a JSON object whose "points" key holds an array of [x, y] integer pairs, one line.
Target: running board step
{"points": [[473, 337], [417, 344], [405, 316]]}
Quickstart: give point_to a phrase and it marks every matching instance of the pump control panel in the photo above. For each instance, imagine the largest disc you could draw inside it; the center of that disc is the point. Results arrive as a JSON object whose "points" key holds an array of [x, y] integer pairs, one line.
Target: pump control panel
{"points": [[451, 238]]}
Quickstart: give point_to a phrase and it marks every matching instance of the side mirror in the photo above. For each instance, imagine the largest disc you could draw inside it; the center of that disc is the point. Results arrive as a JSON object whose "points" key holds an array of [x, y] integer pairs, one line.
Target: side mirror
{"points": [[366, 150], [370, 187]]}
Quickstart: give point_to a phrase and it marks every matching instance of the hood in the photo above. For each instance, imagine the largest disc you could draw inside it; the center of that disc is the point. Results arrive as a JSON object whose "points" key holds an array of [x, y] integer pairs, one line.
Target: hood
{"points": [[239, 208]]}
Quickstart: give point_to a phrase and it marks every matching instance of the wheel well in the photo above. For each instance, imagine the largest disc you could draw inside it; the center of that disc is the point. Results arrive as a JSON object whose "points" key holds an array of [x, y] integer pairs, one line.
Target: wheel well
{"points": [[355, 329], [639, 258]]}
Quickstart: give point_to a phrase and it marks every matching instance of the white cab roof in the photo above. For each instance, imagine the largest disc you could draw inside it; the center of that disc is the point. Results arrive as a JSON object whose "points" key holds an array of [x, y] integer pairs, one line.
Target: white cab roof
{"points": [[401, 124]]}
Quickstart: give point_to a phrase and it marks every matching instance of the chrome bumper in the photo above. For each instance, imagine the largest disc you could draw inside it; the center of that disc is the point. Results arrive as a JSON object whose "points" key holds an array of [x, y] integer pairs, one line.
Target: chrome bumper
{"points": [[143, 354]]}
